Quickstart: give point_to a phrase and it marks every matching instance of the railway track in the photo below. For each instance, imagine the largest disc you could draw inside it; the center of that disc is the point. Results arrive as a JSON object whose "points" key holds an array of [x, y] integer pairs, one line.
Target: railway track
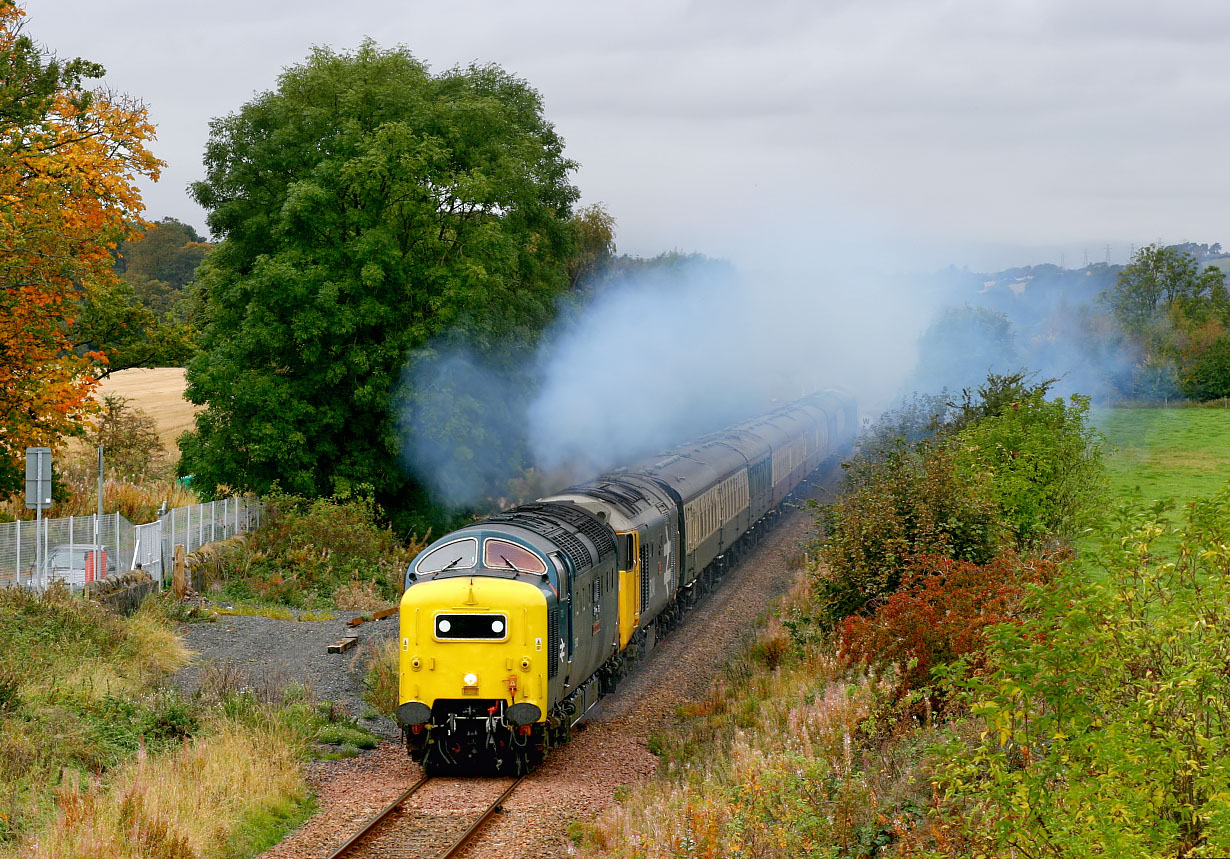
{"points": [[426, 830]]}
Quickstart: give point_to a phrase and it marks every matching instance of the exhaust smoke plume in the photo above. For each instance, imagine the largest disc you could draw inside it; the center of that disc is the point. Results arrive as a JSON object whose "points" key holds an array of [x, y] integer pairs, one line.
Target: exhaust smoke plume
{"points": [[651, 362], [658, 358]]}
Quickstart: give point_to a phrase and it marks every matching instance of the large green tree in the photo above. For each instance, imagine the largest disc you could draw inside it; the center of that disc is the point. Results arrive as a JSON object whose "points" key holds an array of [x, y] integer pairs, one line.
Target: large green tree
{"points": [[1156, 280], [366, 208]]}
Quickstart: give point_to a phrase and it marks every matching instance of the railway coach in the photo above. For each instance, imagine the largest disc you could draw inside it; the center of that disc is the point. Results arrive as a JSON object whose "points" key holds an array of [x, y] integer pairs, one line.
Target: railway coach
{"points": [[514, 626]]}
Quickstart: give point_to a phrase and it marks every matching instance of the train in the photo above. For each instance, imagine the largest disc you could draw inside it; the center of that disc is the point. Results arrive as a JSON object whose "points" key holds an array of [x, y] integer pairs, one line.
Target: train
{"points": [[512, 628]]}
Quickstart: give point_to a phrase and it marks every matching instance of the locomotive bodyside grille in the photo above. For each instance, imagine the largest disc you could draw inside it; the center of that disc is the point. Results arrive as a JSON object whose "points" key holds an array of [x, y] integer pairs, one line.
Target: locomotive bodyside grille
{"points": [[644, 577], [552, 642]]}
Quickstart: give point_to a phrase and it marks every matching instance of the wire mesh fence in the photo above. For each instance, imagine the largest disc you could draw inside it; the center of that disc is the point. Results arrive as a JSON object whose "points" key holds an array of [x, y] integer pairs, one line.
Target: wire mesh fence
{"points": [[80, 549]]}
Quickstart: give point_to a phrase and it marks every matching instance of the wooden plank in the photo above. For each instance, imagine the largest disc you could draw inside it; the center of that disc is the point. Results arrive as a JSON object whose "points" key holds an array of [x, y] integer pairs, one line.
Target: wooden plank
{"points": [[376, 615], [343, 644]]}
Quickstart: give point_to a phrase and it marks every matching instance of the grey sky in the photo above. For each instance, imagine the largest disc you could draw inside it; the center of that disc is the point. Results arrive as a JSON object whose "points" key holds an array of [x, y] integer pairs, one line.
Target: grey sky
{"points": [[966, 131]]}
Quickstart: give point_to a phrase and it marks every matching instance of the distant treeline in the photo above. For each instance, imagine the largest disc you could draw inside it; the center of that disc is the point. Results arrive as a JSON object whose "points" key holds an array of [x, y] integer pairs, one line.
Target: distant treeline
{"points": [[1155, 329]]}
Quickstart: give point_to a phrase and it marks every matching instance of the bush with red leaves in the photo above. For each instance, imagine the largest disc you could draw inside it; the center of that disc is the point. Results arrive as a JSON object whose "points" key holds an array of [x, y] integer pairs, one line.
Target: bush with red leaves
{"points": [[940, 613]]}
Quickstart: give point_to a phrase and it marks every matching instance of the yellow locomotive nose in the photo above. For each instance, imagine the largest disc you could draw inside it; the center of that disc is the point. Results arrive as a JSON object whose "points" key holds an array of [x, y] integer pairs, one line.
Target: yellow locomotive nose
{"points": [[465, 645]]}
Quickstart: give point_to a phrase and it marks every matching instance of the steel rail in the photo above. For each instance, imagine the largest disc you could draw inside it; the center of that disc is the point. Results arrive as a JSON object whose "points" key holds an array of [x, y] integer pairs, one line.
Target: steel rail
{"points": [[378, 819], [498, 805]]}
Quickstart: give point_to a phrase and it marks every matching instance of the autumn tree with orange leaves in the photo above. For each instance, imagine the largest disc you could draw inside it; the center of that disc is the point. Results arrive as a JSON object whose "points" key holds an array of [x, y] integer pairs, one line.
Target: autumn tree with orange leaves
{"points": [[69, 161]]}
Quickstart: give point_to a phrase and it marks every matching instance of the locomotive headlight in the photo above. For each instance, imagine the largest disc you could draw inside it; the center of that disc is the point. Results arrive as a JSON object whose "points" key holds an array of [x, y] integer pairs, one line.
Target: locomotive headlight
{"points": [[470, 679]]}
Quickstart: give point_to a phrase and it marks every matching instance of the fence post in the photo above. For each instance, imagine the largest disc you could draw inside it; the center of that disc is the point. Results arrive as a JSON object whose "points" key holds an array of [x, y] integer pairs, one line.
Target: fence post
{"points": [[178, 582], [213, 521], [18, 552]]}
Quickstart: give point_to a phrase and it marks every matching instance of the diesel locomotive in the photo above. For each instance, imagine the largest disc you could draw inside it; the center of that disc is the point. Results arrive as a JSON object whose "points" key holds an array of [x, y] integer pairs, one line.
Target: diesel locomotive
{"points": [[512, 628]]}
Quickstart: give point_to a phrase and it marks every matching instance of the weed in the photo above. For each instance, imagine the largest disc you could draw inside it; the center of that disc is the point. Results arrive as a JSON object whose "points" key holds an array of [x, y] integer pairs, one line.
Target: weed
{"points": [[577, 832], [343, 735], [380, 683], [318, 553]]}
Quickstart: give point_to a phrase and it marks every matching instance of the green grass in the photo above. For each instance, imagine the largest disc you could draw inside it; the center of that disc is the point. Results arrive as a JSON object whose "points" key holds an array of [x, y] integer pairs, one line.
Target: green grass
{"points": [[1181, 454]]}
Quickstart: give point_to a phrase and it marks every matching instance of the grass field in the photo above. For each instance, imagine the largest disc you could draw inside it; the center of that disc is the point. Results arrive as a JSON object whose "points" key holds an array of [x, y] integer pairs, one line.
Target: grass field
{"points": [[1167, 453]]}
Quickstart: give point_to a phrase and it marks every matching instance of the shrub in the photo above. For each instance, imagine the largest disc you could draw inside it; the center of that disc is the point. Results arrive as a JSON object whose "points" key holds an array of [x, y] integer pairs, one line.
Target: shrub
{"points": [[907, 503], [311, 552], [939, 614], [1042, 462], [1103, 721]]}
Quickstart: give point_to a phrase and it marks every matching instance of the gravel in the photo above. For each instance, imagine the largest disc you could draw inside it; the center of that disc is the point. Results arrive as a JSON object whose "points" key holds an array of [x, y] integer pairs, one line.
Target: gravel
{"points": [[267, 653]]}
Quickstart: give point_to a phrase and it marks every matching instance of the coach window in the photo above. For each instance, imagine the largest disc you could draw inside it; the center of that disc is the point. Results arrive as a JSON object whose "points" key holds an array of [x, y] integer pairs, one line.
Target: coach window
{"points": [[501, 554], [459, 554]]}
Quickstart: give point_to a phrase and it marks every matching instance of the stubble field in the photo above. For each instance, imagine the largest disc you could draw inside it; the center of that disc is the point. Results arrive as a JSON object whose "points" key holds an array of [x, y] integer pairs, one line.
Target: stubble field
{"points": [[160, 394]]}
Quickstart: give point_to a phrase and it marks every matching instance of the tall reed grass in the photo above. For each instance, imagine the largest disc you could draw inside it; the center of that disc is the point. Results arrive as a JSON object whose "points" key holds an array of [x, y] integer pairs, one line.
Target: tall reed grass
{"points": [[139, 499], [228, 794]]}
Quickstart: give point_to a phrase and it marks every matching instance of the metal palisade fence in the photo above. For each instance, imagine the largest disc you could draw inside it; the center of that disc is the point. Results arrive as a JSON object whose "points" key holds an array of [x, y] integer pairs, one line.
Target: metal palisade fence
{"points": [[84, 548]]}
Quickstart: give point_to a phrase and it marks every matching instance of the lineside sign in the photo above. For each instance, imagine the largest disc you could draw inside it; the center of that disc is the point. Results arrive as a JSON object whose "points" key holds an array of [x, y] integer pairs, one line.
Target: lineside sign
{"points": [[38, 478]]}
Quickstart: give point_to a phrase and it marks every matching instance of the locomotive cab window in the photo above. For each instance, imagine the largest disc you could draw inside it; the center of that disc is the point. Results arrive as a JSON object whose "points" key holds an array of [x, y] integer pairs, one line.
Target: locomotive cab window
{"points": [[627, 552], [501, 554], [459, 554]]}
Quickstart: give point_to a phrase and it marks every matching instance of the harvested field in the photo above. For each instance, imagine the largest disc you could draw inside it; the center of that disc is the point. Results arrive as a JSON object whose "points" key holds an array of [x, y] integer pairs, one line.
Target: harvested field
{"points": [[160, 394]]}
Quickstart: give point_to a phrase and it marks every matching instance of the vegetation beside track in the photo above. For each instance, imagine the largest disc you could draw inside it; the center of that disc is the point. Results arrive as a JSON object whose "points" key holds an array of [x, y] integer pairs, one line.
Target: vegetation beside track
{"points": [[316, 554], [99, 757], [1035, 703]]}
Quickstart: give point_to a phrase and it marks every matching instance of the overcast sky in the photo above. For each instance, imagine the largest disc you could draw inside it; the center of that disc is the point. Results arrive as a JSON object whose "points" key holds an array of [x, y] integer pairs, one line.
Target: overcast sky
{"points": [[973, 132]]}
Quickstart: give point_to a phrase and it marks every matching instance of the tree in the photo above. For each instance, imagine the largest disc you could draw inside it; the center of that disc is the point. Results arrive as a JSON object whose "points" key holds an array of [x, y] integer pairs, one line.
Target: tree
{"points": [[1208, 375], [167, 250], [1157, 278], [129, 436], [595, 229], [366, 209], [159, 262], [69, 158], [961, 346]]}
